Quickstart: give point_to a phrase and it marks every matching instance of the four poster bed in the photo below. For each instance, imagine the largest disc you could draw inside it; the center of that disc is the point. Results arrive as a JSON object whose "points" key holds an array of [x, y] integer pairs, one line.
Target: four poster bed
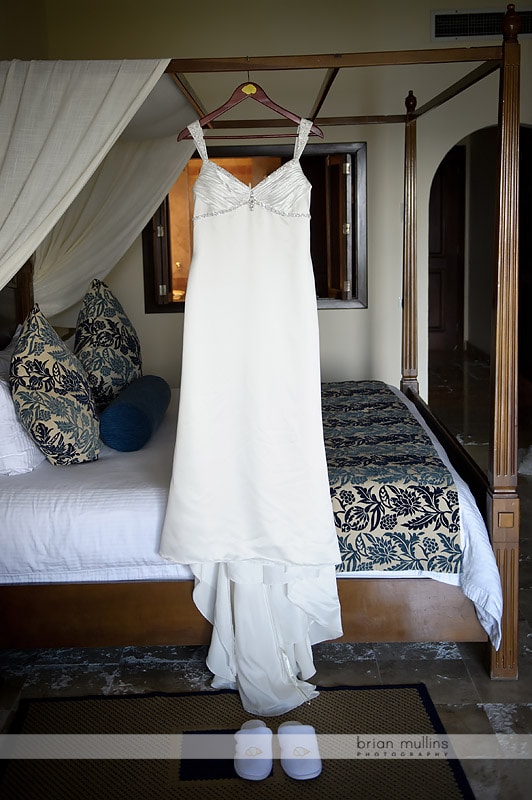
{"points": [[121, 609]]}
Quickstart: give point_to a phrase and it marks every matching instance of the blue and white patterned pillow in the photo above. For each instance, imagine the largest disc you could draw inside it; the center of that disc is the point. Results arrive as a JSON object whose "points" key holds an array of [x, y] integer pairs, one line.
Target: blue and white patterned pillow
{"points": [[106, 344], [52, 396]]}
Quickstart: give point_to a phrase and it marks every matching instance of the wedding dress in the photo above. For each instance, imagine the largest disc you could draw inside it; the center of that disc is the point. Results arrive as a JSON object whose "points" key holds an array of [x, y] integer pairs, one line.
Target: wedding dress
{"points": [[249, 507]]}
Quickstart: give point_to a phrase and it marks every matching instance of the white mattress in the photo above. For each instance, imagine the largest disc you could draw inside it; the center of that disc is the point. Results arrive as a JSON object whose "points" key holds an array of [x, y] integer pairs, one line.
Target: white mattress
{"points": [[64, 525]]}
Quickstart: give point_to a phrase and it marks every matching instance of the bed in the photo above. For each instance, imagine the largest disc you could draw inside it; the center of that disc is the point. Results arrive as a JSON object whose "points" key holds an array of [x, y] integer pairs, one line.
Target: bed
{"points": [[401, 512], [144, 608]]}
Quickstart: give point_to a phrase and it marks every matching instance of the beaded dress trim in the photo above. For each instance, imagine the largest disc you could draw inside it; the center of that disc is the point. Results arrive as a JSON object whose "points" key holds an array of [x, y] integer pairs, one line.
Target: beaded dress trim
{"points": [[247, 196]]}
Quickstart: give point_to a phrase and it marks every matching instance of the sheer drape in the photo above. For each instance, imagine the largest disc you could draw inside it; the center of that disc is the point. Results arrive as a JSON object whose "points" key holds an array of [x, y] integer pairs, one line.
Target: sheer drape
{"points": [[58, 120], [105, 218]]}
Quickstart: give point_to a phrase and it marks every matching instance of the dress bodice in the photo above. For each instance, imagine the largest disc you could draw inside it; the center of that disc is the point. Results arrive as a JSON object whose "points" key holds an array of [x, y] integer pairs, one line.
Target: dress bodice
{"points": [[286, 191]]}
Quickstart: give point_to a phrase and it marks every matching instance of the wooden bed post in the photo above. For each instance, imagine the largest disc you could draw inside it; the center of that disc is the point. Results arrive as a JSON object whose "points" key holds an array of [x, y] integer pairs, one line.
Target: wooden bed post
{"points": [[409, 365], [503, 500]]}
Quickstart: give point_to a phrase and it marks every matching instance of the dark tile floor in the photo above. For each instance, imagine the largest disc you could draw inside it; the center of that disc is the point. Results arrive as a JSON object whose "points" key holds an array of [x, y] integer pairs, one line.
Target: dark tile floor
{"points": [[455, 674]]}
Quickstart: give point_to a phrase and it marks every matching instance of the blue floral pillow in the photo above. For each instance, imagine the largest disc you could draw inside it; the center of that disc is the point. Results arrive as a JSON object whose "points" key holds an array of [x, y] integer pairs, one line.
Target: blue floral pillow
{"points": [[106, 344], [52, 396]]}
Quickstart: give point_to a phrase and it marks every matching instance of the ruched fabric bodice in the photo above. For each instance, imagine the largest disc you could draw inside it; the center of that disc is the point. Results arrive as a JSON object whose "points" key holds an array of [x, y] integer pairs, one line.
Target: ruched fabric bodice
{"points": [[249, 505], [286, 191]]}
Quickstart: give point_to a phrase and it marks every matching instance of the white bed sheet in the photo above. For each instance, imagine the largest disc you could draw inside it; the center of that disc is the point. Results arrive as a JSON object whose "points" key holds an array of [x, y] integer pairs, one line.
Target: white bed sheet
{"points": [[64, 525]]}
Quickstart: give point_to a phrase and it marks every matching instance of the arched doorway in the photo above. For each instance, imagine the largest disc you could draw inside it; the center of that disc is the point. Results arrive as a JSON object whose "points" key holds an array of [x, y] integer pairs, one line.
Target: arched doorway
{"points": [[461, 264], [446, 253]]}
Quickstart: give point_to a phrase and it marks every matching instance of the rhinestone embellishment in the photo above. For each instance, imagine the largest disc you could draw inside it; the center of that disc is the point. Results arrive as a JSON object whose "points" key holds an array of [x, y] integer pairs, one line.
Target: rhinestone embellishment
{"points": [[251, 205]]}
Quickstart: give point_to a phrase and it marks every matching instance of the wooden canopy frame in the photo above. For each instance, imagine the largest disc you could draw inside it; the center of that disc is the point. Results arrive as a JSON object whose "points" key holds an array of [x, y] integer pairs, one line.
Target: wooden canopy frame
{"points": [[372, 609], [498, 490]]}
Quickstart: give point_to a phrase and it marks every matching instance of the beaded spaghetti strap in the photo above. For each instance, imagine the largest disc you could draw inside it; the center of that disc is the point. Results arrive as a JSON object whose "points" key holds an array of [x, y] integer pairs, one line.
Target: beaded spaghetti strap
{"points": [[196, 132], [304, 129]]}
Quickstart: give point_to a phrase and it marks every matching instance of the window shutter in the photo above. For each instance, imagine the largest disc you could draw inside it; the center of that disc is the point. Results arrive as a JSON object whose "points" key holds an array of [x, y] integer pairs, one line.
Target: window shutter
{"points": [[161, 255], [339, 226]]}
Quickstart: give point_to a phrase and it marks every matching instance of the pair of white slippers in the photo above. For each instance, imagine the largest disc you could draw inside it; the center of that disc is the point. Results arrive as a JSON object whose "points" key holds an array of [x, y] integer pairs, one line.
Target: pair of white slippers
{"points": [[300, 757]]}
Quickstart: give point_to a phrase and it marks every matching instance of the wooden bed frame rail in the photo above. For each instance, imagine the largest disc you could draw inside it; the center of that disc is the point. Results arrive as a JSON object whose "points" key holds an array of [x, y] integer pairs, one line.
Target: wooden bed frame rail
{"points": [[163, 613]]}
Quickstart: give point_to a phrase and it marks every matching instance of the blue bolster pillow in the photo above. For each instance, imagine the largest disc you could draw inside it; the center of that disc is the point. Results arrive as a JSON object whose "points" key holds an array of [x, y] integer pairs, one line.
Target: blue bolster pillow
{"points": [[129, 421]]}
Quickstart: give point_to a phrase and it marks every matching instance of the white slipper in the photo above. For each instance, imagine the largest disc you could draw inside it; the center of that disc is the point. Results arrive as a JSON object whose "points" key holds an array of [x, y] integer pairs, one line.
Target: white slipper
{"points": [[253, 751], [300, 756]]}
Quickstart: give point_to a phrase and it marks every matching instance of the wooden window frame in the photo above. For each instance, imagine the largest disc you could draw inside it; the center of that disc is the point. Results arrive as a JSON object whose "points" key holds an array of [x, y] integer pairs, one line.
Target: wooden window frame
{"points": [[155, 247]]}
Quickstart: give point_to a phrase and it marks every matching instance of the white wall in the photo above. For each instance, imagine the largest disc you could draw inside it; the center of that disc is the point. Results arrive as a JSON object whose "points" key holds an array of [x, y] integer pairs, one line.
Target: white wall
{"points": [[354, 343]]}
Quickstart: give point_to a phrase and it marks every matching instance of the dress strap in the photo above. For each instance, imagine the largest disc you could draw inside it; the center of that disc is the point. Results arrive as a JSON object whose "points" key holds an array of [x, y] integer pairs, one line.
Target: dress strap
{"points": [[196, 132], [303, 131]]}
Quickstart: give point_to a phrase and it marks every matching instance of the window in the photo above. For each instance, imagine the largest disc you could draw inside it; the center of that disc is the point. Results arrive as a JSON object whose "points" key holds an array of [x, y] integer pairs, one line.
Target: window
{"points": [[337, 173]]}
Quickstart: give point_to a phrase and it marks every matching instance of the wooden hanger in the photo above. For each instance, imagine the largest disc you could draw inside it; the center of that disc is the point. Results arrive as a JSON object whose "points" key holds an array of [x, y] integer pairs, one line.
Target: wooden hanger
{"points": [[255, 92]]}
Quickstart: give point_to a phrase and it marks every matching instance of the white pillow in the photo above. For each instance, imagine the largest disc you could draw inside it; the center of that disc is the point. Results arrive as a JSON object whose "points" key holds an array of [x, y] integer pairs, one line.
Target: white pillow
{"points": [[18, 451], [6, 353]]}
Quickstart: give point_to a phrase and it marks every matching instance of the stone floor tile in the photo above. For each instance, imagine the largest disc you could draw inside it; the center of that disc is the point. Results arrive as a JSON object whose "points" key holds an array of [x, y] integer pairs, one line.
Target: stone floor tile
{"points": [[499, 779], [77, 656], [154, 657], [357, 673], [416, 651], [342, 652], [447, 681], [61, 681], [509, 717], [181, 677]]}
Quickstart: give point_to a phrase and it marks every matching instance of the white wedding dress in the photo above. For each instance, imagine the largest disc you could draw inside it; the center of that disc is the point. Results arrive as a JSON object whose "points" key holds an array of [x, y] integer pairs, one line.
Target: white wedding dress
{"points": [[249, 505]]}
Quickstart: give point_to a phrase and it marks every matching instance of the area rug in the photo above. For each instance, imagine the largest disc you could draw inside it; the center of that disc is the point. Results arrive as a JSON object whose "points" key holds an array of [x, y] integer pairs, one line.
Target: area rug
{"points": [[366, 717]]}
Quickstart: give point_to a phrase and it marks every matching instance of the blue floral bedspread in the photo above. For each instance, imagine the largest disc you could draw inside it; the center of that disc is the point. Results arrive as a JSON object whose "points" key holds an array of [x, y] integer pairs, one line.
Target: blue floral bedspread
{"points": [[395, 503]]}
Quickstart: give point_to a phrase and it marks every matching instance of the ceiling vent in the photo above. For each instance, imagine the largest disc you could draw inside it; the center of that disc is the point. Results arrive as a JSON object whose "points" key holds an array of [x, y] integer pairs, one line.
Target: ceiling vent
{"points": [[453, 25]]}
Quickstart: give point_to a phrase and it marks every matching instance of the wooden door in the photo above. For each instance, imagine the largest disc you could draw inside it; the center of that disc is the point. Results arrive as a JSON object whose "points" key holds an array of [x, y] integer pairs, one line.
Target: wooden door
{"points": [[446, 253]]}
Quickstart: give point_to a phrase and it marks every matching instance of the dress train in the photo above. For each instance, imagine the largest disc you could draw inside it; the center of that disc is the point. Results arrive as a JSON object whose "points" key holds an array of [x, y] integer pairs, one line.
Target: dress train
{"points": [[265, 620]]}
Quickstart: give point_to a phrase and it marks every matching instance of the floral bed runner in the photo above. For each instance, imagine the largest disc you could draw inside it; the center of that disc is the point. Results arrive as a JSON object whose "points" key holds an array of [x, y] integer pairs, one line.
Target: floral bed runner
{"points": [[395, 503]]}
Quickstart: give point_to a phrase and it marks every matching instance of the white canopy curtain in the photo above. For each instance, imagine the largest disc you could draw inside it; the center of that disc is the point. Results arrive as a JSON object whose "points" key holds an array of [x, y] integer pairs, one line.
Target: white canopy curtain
{"points": [[105, 218], [58, 120]]}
